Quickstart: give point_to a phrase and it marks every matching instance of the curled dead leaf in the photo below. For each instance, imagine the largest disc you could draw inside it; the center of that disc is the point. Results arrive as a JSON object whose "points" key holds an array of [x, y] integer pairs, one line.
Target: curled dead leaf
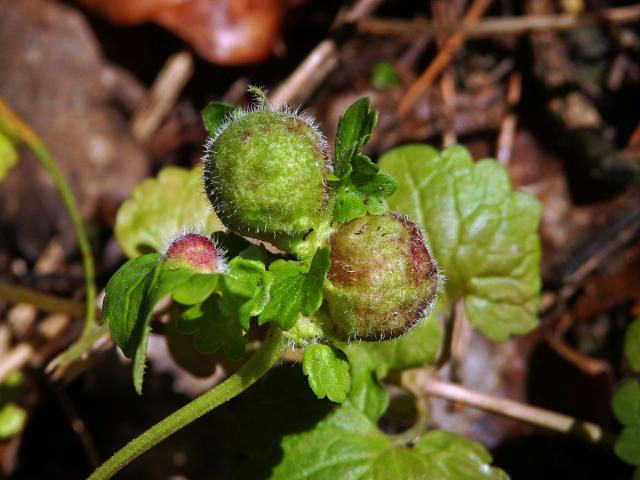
{"points": [[227, 32]]}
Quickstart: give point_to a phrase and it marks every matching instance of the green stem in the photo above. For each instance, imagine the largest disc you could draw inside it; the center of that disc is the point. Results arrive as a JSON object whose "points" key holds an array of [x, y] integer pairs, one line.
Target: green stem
{"points": [[249, 373], [18, 128], [43, 155]]}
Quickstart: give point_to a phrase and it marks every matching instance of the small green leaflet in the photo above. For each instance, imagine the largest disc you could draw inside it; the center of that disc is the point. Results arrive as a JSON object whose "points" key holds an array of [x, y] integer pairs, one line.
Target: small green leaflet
{"points": [[295, 290], [483, 234], [627, 446], [632, 345], [626, 403], [245, 290], [354, 130], [626, 407], [130, 297], [328, 374], [213, 329], [187, 286], [348, 445], [133, 292], [384, 76], [221, 320], [372, 361], [13, 417], [12, 420], [359, 186], [214, 115]]}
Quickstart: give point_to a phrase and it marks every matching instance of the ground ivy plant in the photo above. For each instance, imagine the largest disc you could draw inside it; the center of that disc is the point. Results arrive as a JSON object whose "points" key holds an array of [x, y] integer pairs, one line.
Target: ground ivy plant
{"points": [[626, 403], [345, 260]]}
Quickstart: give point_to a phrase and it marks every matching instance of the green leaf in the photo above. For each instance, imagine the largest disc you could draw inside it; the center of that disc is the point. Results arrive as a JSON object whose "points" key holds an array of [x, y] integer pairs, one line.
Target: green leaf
{"points": [[186, 285], [214, 115], [626, 407], [483, 235], [133, 292], [382, 185], [372, 361], [354, 129], [285, 302], [161, 207], [295, 289], [313, 281], [328, 374], [130, 297], [358, 183], [12, 416], [129, 300], [626, 403], [12, 420], [366, 393], [632, 345], [213, 328], [457, 457], [348, 445], [384, 76], [245, 290], [183, 352], [8, 155], [349, 204], [364, 170], [281, 405], [627, 446]]}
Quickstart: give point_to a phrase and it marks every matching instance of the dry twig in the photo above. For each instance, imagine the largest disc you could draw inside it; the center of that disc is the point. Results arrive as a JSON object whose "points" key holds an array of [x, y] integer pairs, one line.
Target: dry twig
{"points": [[320, 62], [442, 59], [518, 411], [506, 139], [163, 95], [491, 27]]}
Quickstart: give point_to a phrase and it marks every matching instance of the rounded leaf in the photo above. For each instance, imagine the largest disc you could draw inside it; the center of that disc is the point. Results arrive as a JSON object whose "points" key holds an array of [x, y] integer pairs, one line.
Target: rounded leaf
{"points": [[160, 207]]}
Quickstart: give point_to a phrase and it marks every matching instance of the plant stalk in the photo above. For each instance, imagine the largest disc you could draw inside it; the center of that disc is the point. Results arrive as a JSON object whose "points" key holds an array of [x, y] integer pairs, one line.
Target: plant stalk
{"points": [[259, 364], [16, 127]]}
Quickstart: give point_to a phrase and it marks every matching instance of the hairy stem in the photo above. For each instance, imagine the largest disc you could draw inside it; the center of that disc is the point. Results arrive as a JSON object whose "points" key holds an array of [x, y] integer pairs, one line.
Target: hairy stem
{"points": [[518, 411], [249, 373], [17, 128]]}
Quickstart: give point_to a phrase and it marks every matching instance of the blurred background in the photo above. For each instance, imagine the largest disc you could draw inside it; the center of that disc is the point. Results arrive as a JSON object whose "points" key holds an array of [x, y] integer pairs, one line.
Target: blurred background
{"points": [[550, 88]]}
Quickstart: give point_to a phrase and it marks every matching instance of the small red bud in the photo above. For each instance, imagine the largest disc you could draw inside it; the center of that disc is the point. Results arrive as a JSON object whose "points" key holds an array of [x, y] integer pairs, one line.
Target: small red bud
{"points": [[195, 251]]}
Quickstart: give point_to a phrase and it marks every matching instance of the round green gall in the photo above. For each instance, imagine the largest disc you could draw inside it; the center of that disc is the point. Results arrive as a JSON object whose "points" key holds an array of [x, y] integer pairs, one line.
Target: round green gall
{"points": [[195, 251], [383, 278], [266, 174]]}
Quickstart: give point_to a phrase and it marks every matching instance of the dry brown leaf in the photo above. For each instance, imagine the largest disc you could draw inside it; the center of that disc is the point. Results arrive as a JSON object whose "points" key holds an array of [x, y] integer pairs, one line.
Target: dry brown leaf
{"points": [[228, 32]]}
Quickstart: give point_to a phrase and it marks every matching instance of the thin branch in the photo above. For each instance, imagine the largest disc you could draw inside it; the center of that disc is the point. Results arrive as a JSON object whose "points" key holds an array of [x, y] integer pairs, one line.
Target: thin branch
{"points": [[442, 59], [163, 95], [499, 26], [506, 139], [320, 62], [518, 411], [308, 75]]}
